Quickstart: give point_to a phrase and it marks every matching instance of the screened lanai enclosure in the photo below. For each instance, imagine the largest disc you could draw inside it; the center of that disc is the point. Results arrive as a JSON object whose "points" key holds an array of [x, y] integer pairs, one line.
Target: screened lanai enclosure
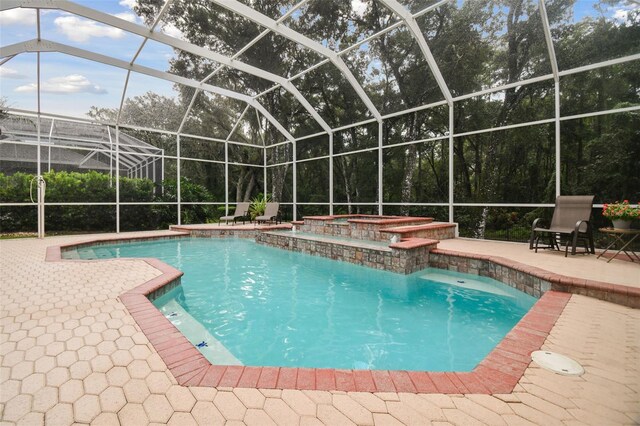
{"points": [[138, 114]]}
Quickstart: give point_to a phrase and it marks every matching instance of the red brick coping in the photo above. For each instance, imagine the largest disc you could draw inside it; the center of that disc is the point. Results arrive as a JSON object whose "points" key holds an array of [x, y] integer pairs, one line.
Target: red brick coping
{"points": [[373, 219], [414, 228], [227, 227], [411, 243], [499, 372]]}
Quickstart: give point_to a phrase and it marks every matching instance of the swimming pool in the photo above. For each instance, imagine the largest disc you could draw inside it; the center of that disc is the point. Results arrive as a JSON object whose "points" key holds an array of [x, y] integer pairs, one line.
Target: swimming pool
{"points": [[255, 305]]}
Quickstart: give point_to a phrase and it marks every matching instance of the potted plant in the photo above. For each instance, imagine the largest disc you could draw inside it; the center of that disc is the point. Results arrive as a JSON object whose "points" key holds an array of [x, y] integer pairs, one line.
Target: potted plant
{"points": [[258, 204], [621, 214]]}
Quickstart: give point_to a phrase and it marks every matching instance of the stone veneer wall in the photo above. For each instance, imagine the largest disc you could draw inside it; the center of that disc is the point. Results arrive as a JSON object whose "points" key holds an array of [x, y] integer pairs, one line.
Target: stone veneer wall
{"points": [[365, 231], [533, 280], [527, 283], [324, 227], [369, 231], [225, 233], [395, 260]]}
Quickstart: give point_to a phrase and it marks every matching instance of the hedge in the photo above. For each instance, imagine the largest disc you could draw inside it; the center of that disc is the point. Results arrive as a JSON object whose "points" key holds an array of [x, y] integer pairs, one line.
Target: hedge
{"points": [[95, 187]]}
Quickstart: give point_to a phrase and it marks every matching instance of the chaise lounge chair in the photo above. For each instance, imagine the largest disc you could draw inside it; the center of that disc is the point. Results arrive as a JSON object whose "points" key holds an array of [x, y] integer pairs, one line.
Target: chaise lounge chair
{"points": [[571, 219], [241, 212], [271, 213]]}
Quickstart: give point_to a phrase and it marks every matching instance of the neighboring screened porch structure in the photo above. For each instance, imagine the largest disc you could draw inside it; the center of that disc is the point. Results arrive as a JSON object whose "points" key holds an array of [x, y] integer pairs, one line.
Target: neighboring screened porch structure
{"points": [[469, 111]]}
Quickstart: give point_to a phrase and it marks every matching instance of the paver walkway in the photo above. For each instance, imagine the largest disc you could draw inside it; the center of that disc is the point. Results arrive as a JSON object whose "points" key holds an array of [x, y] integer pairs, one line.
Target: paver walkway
{"points": [[71, 353]]}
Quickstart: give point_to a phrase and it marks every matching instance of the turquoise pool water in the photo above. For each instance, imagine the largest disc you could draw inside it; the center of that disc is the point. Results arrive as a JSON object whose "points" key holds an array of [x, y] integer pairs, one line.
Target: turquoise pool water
{"points": [[261, 306]]}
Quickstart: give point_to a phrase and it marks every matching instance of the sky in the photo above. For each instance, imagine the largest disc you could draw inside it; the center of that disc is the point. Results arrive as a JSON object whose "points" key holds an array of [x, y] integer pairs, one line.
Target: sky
{"points": [[70, 86]]}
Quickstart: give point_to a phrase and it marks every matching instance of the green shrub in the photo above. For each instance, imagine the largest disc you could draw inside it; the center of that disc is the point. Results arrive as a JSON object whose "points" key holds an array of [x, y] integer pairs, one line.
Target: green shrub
{"points": [[95, 187], [15, 188], [191, 192]]}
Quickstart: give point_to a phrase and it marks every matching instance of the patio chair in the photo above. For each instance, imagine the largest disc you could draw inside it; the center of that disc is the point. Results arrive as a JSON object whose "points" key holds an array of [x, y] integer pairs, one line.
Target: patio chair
{"points": [[241, 212], [271, 213], [571, 219]]}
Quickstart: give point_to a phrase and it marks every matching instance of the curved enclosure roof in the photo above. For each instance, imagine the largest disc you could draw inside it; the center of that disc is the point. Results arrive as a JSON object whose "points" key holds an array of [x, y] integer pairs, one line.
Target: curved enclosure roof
{"points": [[423, 107], [300, 68]]}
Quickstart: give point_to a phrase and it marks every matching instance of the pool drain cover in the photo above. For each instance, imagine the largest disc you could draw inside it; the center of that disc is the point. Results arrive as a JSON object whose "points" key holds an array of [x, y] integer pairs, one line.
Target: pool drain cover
{"points": [[557, 363]]}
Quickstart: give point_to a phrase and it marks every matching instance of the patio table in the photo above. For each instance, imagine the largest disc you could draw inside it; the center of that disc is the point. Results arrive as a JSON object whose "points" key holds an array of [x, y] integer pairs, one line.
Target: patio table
{"points": [[624, 237]]}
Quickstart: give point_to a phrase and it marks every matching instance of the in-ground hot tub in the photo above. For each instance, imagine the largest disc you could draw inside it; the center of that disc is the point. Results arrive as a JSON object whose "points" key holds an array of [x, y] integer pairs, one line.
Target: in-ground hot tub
{"points": [[371, 227], [373, 219]]}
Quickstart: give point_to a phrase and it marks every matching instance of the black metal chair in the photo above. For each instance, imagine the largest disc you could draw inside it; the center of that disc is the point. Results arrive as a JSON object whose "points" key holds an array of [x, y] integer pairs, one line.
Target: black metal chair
{"points": [[571, 220]]}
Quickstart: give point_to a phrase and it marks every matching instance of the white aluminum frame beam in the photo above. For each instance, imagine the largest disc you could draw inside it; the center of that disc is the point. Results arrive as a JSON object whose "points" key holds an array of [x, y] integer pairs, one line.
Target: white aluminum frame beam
{"points": [[50, 46], [283, 30], [415, 31], [257, 39], [542, 10], [156, 21], [5, 60], [160, 37], [265, 32], [361, 42]]}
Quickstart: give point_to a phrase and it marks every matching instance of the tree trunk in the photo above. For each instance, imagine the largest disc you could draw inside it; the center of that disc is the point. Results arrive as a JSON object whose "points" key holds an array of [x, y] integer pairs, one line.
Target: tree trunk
{"points": [[250, 186], [279, 174], [347, 183], [411, 159], [482, 224], [240, 185]]}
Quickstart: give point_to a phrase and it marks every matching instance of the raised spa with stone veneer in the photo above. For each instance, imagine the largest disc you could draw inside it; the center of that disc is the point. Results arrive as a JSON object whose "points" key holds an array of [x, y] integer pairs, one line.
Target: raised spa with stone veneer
{"points": [[395, 243]]}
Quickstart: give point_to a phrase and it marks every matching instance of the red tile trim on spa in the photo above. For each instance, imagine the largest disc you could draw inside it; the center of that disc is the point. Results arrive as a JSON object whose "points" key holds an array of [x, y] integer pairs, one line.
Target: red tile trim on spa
{"points": [[412, 243], [373, 219], [414, 228]]}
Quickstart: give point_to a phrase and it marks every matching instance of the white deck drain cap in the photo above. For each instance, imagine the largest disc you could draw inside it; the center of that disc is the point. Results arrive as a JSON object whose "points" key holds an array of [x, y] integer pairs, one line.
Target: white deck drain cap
{"points": [[557, 363]]}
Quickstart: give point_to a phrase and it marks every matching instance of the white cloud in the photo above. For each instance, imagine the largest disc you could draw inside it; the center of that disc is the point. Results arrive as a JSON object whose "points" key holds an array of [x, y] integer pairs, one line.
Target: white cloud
{"points": [[171, 30], [18, 17], [129, 16], [73, 83], [359, 7], [622, 15], [127, 3], [81, 30], [6, 72]]}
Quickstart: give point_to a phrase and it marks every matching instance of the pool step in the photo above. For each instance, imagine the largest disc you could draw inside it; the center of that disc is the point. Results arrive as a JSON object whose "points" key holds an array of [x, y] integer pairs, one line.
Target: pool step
{"points": [[71, 254], [414, 243], [403, 257], [433, 231], [91, 254]]}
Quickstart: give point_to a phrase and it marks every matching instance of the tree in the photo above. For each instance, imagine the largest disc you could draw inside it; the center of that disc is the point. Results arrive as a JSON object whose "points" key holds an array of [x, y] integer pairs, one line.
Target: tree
{"points": [[475, 45]]}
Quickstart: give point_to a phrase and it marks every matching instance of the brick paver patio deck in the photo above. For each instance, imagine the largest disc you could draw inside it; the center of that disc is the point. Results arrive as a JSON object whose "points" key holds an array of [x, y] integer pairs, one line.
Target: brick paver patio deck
{"points": [[71, 353]]}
